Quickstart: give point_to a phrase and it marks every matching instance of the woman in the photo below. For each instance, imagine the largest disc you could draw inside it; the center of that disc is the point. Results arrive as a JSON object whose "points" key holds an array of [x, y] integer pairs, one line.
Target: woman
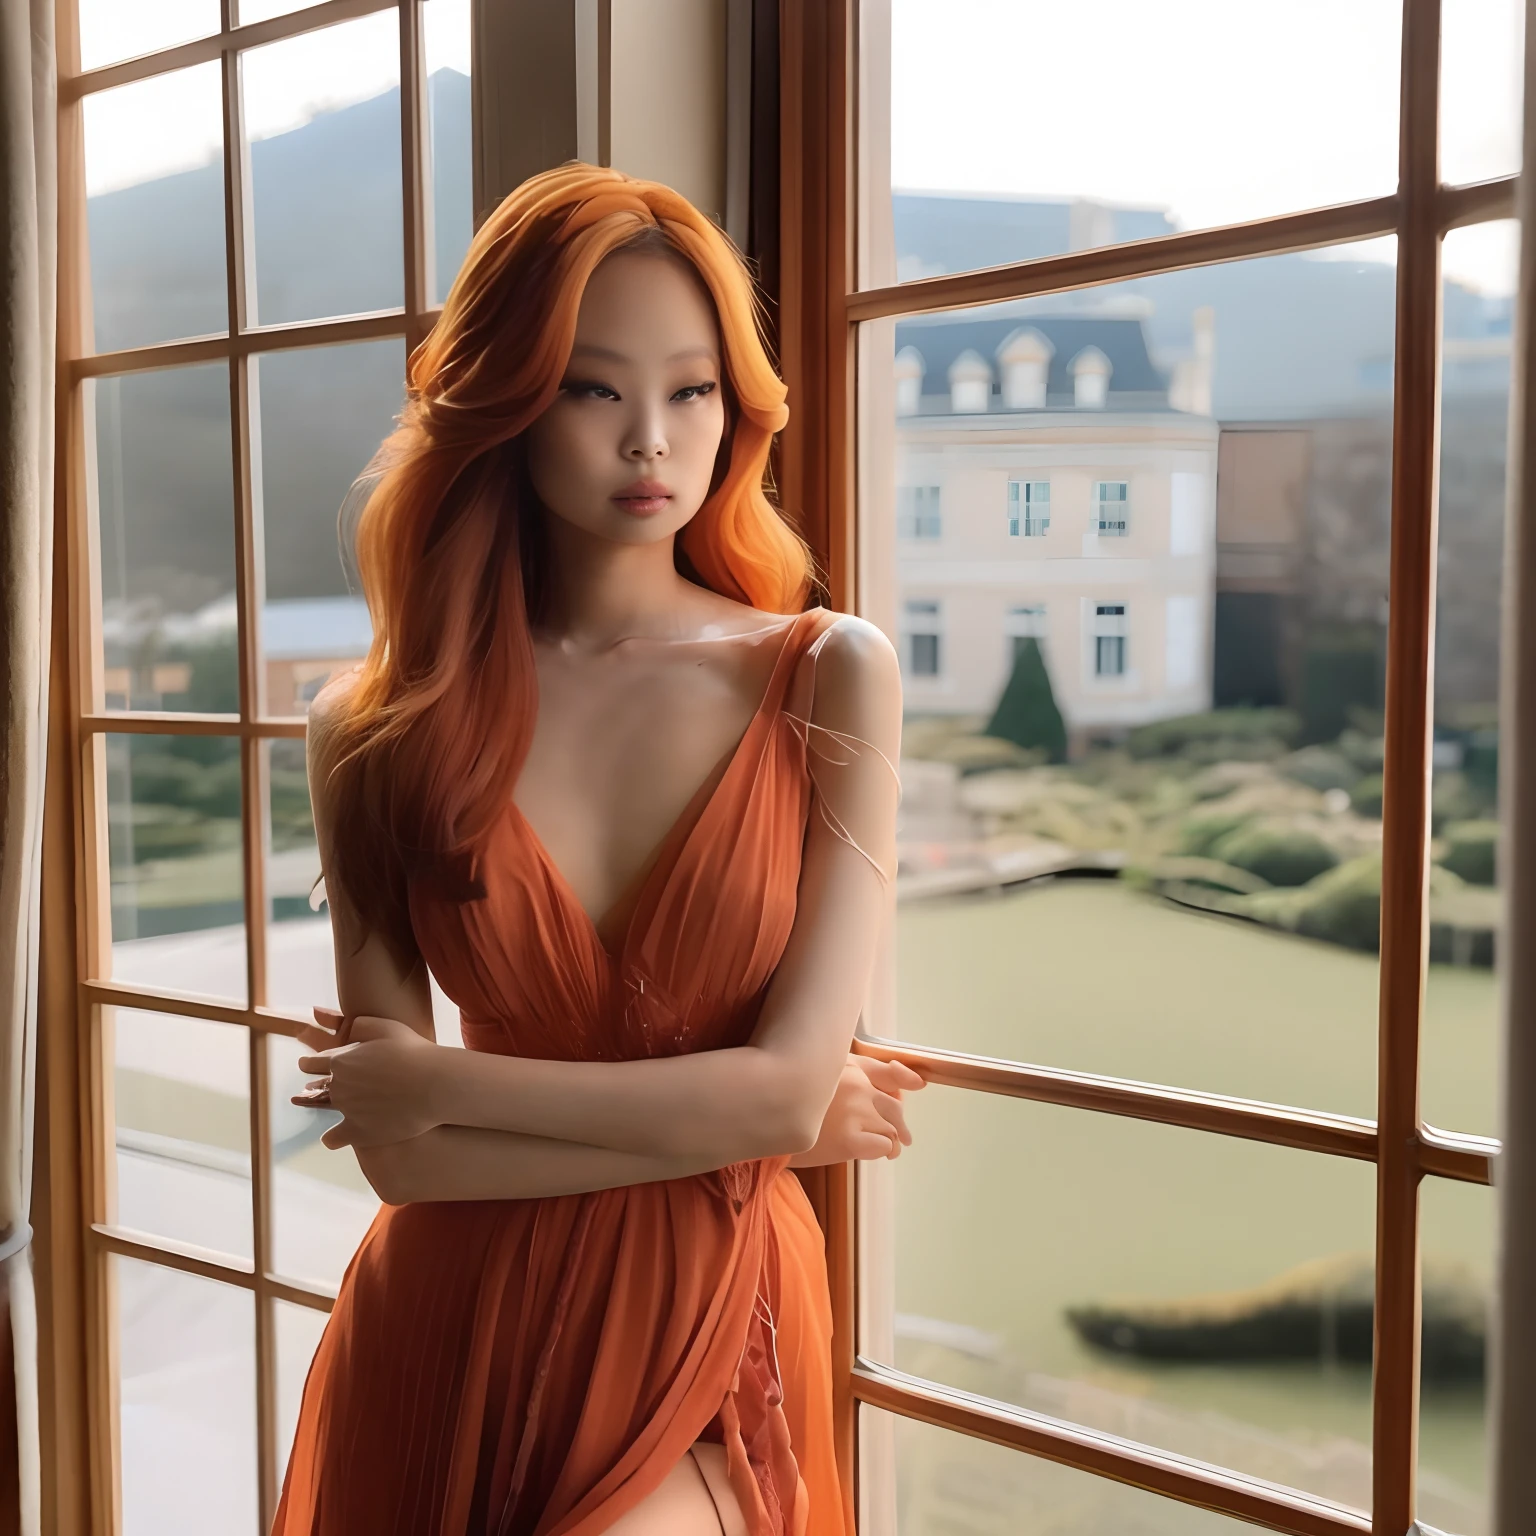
{"points": [[635, 810]]}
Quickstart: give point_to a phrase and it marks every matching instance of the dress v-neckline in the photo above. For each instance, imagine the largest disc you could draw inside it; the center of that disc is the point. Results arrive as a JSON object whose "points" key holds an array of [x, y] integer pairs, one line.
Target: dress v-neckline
{"points": [[691, 817]]}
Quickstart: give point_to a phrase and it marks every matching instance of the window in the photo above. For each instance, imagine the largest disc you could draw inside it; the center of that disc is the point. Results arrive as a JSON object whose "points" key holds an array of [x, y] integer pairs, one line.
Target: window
{"points": [[1029, 508], [1023, 622], [209, 449], [923, 636], [1109, 507], [1109, 639], [952, 1313], [917, 512]]}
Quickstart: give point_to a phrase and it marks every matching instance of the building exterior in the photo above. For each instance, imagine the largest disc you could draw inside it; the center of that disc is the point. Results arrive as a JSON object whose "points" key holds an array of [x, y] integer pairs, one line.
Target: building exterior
{"points": [[1051, 483]]}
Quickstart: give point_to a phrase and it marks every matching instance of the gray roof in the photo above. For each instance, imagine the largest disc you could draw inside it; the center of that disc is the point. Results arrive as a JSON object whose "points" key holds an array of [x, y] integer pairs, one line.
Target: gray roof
{"points": [[1133, 383]]}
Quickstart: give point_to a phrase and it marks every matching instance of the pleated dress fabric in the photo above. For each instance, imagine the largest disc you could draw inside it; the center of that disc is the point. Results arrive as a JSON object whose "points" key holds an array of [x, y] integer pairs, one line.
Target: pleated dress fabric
{"points": [[536, 1367]]}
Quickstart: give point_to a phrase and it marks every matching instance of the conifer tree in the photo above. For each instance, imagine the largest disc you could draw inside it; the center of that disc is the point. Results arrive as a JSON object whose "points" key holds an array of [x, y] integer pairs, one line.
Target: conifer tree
{"points": [[1026, 714]]}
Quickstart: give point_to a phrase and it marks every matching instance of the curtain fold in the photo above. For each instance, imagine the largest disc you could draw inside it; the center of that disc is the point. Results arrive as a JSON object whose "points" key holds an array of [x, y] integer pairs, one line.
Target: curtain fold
{"points": [[28, 308]]}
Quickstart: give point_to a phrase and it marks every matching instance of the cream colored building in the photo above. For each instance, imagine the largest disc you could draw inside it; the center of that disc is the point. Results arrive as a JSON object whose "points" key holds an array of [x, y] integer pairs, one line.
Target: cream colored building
{"points": [[1049, 481]]}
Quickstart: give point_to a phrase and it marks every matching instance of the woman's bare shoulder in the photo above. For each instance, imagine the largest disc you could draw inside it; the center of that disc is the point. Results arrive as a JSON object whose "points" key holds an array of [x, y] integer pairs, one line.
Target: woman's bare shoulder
{"points": [[328, 712], [857, 676]]}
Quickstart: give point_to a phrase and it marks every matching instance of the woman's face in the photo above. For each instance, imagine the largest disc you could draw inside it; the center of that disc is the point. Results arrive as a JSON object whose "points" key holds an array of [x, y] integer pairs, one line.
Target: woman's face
{"points": [[626, 450]]}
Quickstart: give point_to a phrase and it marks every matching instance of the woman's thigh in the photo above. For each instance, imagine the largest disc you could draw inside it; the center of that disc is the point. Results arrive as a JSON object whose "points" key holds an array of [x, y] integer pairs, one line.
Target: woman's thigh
{"points": [[695, 1499]]}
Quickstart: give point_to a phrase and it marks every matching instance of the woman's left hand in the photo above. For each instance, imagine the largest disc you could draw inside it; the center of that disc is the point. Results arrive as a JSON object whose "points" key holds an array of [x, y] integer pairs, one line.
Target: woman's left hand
{"points": [[380, 1080]]}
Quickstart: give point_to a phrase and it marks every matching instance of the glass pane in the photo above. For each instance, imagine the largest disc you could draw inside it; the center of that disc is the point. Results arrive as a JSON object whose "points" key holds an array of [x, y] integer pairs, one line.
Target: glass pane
{"points": [[154, 181], [178, 903], [323, 114], [323, 412], [166, 527], [1209, 1298], [111, 31], [298, 1336], [1132, 546], [188, 1402], [1481, 47], [932, 1482], [1458, 1232], [1015, 131], [1461, 1001], [182, 1093], [445, 30], [321, 1203], [264, 10]]}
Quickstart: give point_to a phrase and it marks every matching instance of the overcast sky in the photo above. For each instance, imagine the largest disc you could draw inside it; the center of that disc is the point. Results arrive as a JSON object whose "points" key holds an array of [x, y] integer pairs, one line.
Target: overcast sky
{"points": [[1215, 110]]}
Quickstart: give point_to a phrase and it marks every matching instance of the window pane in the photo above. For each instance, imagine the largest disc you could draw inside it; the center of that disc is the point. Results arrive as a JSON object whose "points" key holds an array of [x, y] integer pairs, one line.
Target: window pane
{"points": [[111, 31], [178, 903], [1200, 713], [323, 116], [264, 10], [182, 1092], [932, 1482], [188, 1402], [323, 411], [1210, 1298], [154, 176], [1459, 1226], [298, 1336], [165, 524], [1014, 131], [1481, 47], [301, 968], [321, 1203], [445, 34], [1461, 1001]]}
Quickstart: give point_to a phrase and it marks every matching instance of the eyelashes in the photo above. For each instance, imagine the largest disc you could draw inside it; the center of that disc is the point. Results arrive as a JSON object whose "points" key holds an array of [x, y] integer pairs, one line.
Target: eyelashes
{"points": [[589, 387]]}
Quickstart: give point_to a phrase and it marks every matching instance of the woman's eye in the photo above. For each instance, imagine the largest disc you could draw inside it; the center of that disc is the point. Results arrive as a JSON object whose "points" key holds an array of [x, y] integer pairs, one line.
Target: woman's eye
{"points": [[694, 392], [596, 391]]}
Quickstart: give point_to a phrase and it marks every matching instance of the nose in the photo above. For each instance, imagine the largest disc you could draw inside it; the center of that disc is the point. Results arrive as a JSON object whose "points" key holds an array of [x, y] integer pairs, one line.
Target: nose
{"points": [[646, 438]]}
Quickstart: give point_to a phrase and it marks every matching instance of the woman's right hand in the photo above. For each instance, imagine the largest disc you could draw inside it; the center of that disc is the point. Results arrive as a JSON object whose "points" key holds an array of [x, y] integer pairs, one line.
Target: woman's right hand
{"points": [[865, 1118]]}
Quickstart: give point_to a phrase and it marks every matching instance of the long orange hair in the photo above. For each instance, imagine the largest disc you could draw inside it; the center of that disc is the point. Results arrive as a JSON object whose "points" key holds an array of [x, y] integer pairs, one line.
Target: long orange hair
{"points": [[433, 733]]}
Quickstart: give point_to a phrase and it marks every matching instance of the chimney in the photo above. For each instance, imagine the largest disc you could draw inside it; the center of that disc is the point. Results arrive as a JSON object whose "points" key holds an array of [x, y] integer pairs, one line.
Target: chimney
{"points": [[970, 382], [1025, 359], [1190, 387], [910, 369], [1090, 371]]}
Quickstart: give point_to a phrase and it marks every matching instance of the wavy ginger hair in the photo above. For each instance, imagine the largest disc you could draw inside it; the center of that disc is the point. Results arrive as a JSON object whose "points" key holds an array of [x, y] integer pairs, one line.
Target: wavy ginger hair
{"points": [[428, 743]]}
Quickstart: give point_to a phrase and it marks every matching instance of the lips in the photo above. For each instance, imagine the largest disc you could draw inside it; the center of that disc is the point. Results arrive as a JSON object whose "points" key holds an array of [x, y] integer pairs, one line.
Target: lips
{"points": [[642, 498]]}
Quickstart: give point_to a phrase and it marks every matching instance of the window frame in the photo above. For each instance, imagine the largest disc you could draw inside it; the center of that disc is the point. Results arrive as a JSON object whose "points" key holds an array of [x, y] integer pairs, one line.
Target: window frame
{"points": [[1022, 501], [80, 1440], [826, 51], [1113, 527]]}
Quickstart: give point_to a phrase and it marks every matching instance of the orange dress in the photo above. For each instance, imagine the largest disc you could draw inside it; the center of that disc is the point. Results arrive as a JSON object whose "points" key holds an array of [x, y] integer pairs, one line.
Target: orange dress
{"points": [[536, 1367]]}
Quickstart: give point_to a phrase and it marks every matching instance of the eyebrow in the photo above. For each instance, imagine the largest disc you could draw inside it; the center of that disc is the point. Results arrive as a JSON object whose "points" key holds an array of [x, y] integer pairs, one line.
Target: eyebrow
{"points": [[619, 357]]}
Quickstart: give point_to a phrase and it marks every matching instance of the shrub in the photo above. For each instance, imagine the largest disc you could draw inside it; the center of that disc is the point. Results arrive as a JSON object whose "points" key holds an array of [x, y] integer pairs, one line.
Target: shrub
{"points": [[1340, 673], [1344, 905], [1365, 797], [1320, 768], [1470, 849], [1243, 730], [1207, 874], [1279, 854], [1199, 835], [1026, 713]]}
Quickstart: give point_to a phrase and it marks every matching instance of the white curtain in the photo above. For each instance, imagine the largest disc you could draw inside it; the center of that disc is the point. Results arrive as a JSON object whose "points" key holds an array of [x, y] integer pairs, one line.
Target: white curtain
{"points": [[28, 266]]}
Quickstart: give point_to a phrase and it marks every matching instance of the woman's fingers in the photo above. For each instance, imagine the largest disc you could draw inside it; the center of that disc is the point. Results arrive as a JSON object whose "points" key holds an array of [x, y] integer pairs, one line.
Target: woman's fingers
{"points": [[891, 1076], [867, 1145], [889, 1109]]}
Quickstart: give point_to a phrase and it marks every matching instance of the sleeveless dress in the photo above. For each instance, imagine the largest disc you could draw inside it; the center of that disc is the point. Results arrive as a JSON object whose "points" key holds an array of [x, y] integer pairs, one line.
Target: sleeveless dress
{"points": [[536, 1367]]}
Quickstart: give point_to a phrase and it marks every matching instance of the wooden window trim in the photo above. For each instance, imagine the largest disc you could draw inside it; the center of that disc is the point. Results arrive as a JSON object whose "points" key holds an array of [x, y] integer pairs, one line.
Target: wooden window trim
{"points": [[78, 1385], [821, 308]]}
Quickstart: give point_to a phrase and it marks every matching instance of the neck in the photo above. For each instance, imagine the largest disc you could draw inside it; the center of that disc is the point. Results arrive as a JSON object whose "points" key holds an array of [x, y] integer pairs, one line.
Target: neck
{"points": [[601, 592]]}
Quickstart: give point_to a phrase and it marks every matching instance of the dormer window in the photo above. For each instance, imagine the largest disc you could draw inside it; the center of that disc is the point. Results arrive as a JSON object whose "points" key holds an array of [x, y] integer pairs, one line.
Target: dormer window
{"points": [[1090, 371], [1025, 361], [910, 369], [970, 382]]}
